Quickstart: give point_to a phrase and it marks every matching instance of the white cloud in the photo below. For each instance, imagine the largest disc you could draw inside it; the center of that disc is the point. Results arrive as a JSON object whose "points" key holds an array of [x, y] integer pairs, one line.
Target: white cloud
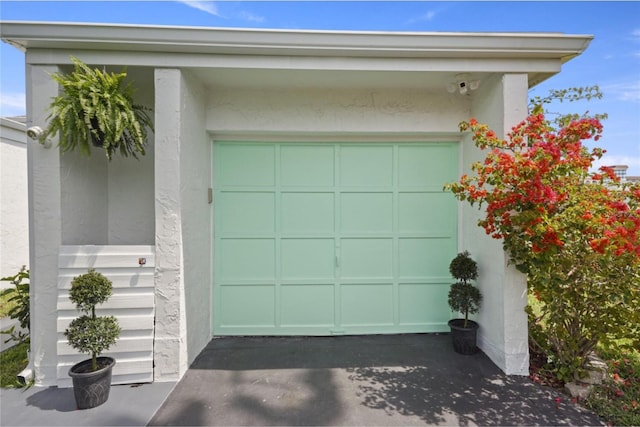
{"points": [[248, 16], [12, 104], [636, 33], [626, 91], [211, 8], [205, 6], [425, 17], [428, 16]]}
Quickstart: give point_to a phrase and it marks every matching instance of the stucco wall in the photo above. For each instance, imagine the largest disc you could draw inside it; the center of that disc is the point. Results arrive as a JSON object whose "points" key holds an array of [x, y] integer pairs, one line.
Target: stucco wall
{"points": [[84, 196], [14, 201], [183, 238], [195, 167], [309, 111], [170, 350], [131, 194], [45, 227], [501, 103]]}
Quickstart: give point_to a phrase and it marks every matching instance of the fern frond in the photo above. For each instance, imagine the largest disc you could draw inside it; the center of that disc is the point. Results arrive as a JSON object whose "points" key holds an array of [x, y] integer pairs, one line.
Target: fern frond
{"points": [[97, 105]]}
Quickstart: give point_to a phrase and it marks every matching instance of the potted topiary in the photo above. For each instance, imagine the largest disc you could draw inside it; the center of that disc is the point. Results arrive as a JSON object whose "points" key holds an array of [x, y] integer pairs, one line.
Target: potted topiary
{"points": [[464, 298], [91, 334], [97, 108]]}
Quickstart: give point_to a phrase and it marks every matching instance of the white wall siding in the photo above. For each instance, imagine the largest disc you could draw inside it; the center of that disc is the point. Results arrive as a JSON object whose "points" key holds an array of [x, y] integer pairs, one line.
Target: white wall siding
{"points": [[132, 302]]}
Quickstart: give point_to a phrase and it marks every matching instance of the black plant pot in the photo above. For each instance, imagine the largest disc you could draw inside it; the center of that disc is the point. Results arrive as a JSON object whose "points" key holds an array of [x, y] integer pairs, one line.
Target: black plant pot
{"points": [[464, 339], [91, 389]]}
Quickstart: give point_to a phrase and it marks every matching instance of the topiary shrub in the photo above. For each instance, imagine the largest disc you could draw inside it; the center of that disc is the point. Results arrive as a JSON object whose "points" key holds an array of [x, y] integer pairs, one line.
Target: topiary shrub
{"points": [[463, 296], [89, 333]]}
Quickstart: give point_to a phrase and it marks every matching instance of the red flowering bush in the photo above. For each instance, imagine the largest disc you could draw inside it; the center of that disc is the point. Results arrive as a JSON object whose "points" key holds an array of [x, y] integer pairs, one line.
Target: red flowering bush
{"points": [[576, 234]]}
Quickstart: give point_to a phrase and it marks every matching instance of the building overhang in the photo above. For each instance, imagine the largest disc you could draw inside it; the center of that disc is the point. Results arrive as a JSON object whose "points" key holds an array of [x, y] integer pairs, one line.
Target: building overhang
{"points": [[540, 55]]}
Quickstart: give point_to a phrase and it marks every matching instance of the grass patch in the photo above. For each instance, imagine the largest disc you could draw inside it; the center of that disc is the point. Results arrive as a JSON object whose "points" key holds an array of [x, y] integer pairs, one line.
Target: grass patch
{"points": [[617, 401], [6, 305], [12, 361]]}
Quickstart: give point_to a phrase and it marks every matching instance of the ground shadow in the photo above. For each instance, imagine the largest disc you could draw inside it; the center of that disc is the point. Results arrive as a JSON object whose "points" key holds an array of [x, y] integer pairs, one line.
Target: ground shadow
{"points": [[413, 379], [464, 397], [53, 399]]}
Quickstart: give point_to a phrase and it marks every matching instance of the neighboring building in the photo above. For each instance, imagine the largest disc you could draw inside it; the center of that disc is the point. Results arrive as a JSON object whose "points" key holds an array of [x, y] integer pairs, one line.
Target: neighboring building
{"points": [[621, 172], [14, 206], [293, 186]]}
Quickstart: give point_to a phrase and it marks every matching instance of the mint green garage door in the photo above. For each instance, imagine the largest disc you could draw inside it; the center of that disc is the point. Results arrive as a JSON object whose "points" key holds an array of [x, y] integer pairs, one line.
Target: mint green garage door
{"points": [[325, 238]]}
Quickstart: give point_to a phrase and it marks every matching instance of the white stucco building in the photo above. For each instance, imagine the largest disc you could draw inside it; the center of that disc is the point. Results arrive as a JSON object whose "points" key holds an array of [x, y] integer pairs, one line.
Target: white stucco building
{"points": [[292, 186], [14, 208]]}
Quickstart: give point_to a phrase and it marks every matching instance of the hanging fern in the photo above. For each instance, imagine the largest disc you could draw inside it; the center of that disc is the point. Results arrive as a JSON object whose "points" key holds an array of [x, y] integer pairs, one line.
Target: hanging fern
{"points": [[96, 106]]}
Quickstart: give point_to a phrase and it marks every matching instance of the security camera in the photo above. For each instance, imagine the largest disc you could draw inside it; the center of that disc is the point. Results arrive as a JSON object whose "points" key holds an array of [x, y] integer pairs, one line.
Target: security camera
{"points": [[34, 132]]}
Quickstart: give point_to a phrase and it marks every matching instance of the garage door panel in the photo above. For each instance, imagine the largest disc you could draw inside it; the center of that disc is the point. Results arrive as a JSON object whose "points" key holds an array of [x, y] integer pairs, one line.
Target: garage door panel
{"points": [[307, 305], [421, 303], [366, 212], [247, 212], [377, 311], [332, 238], [246, 164], [247, 306], [366, 166], [307, 213], [431, 165], [425, 257], [366, 258], [308, 258], [247, 259], [430, 213], [307, 165]]}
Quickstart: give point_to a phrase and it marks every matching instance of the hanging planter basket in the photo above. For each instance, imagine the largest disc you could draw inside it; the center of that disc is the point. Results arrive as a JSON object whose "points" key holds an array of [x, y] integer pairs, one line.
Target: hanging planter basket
{"points": [[96, 109]]}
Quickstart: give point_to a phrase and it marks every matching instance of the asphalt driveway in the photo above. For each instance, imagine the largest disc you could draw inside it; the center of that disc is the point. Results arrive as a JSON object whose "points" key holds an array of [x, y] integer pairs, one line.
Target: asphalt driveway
{"points": [[381, 380]]}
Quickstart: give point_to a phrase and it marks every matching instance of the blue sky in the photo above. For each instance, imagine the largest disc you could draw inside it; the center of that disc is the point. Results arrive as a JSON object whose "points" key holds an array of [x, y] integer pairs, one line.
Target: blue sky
{"points": [[612, 61]]}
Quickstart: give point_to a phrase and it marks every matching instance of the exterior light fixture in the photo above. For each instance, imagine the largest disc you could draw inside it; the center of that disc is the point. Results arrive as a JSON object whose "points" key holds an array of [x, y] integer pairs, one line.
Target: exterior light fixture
{"points": [[463, 85]]}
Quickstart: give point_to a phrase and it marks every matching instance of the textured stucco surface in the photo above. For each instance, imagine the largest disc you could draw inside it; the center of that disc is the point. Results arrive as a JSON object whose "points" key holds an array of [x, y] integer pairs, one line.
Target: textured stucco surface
{"points": [[14, 201], [195, 177], [170, 350], [45, 226], [501, 103], [384, 111]]}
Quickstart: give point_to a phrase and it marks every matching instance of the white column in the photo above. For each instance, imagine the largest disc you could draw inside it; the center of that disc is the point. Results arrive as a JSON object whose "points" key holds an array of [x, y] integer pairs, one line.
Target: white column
{"points": [[170, 347], [501, 102], [45, 226], [516, 343]]}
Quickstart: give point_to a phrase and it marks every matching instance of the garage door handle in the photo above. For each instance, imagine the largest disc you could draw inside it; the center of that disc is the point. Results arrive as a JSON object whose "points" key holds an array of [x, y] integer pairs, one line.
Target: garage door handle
{"points": [[337, 261]]}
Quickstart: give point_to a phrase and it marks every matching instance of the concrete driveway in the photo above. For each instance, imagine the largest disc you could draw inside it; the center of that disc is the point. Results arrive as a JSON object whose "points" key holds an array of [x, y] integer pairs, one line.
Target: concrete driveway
{"points": [[382, 380]]}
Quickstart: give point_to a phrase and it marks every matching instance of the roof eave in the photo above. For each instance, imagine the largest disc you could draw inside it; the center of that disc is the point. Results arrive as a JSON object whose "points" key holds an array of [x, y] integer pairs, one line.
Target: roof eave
{"points": [[205, 40]]}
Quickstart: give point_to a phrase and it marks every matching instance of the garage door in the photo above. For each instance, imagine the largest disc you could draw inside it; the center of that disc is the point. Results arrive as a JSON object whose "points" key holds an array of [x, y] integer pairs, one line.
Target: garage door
{"points": [[326, 238]]}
